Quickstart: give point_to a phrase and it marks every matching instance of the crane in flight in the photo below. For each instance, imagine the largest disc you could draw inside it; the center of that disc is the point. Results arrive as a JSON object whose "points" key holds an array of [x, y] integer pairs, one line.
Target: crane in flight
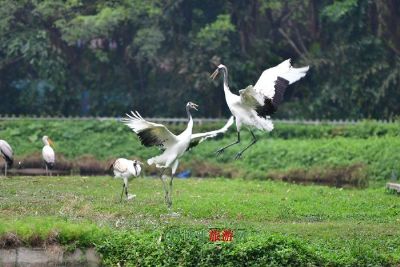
{"points": [[255, 104]]}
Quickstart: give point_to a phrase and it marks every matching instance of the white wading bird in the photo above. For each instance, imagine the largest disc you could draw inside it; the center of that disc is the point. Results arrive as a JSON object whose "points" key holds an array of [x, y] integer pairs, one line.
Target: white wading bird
{"points": [[126, 169], [7, 153], [48, 154], [255, 104], [174, 146]]}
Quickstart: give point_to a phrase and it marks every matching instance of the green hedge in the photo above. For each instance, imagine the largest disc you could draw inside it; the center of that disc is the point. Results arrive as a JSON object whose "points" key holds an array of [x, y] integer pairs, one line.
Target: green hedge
{"points": [[145, 250], [365, 129], [137, 248], [371, 144], [262, 250]]}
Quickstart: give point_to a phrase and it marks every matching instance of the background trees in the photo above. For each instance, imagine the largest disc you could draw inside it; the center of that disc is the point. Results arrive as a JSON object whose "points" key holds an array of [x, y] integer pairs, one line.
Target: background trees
{"points": [[102, 57]]}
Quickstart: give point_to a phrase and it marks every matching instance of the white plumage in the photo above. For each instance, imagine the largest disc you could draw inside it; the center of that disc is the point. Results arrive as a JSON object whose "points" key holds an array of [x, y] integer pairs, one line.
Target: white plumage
{"points": [[267, 81], [126, 169], [7, 154], [255, 104], [48, 154], [174, 146]]}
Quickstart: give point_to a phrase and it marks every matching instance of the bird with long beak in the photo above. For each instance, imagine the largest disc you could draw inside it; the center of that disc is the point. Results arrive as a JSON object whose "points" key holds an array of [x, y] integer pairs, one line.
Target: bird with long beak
{"points": [[173, 146], [126, 169], [48, 154], [255, 105]]}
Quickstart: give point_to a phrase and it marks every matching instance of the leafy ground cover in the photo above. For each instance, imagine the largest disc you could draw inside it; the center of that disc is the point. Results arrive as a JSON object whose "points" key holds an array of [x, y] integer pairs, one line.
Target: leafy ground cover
{"points": [[92, 144], [284, 224]]}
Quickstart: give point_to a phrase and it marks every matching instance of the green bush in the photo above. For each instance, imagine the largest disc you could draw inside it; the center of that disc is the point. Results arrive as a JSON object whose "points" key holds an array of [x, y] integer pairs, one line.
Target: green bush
{"points": [[287, 147], [133, 249]]}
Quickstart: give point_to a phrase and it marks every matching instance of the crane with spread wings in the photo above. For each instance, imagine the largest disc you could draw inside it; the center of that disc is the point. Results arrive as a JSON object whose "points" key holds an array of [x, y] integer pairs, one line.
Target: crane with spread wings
{"points": [[174, 146], [255, 104]]}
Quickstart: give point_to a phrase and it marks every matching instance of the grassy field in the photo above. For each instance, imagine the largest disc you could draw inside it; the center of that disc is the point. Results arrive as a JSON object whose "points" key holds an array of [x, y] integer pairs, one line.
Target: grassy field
{"points": [[283, 224], [336, 226]]}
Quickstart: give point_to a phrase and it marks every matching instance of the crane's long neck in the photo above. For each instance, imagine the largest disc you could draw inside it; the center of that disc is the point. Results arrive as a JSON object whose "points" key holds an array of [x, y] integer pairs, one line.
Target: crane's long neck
{"points": [[46, 142], [190, 122], [225, 75]]}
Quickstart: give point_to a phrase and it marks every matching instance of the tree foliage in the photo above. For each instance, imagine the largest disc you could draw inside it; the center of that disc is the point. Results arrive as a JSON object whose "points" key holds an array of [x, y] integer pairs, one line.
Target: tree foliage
{"points": [[101, 57]]}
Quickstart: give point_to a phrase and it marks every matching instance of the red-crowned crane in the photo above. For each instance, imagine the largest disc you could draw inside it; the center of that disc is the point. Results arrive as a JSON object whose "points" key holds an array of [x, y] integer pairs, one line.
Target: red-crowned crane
{"points": [[174, 146], [126, 169], [255, 104]]}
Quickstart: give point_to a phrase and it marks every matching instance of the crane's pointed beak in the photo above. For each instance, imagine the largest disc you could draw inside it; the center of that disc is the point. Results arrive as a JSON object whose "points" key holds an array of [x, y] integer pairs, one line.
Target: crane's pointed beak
{"points": [[51, 142], [195, 106], [215, 74]]}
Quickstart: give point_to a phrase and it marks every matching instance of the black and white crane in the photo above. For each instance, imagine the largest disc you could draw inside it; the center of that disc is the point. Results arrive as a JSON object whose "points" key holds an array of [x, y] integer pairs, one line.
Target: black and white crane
{"points": [[174, 146], [255, 104], [48, 154], [126, 169], [7, 153]]}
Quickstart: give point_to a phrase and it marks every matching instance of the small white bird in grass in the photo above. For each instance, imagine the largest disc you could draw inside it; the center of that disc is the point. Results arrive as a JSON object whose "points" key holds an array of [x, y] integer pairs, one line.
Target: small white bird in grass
{"points": [[126, 169], [255, 104], [48, 154], [174, 146], [7, 153]]}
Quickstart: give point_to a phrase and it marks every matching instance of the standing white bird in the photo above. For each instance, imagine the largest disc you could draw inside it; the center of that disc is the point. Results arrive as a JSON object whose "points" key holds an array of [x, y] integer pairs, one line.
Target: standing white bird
{"points": [[174, 146], [255, 104], [7, 153], [126, 169], [48, 154]]}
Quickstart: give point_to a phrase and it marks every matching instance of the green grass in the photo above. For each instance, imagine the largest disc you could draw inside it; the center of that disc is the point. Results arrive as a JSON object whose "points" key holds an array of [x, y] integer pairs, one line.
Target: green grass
{"points": [[285, 224], [339, 226]]}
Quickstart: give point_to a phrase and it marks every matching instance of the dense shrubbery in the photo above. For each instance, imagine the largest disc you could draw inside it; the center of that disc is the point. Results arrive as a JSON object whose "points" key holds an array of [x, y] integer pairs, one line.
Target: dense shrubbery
{"points": [[289, 147], [365, 129], [141, 250], [101, 57], [131, 248]]}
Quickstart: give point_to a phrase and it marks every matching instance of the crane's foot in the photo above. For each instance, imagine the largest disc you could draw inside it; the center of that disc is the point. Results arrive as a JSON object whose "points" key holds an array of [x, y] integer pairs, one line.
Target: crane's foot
{"points": [[130, 196], [238, 155], [220, 151]]}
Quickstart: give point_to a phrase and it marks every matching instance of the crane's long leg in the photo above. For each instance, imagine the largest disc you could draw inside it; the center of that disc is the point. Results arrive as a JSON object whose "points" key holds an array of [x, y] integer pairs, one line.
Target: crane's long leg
{"points": [[5, 170], [164, 186], [173, 171], [126, 187], [238, 155], [169, 203], [122, 193], [221, 150], [47, 170]]}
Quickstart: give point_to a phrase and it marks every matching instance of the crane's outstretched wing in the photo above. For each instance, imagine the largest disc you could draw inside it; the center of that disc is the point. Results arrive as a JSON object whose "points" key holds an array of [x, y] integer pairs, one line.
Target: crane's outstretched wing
{"points": [[200, 137], [7, 152], [272, 85], [150, 134], [269, 80]]}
